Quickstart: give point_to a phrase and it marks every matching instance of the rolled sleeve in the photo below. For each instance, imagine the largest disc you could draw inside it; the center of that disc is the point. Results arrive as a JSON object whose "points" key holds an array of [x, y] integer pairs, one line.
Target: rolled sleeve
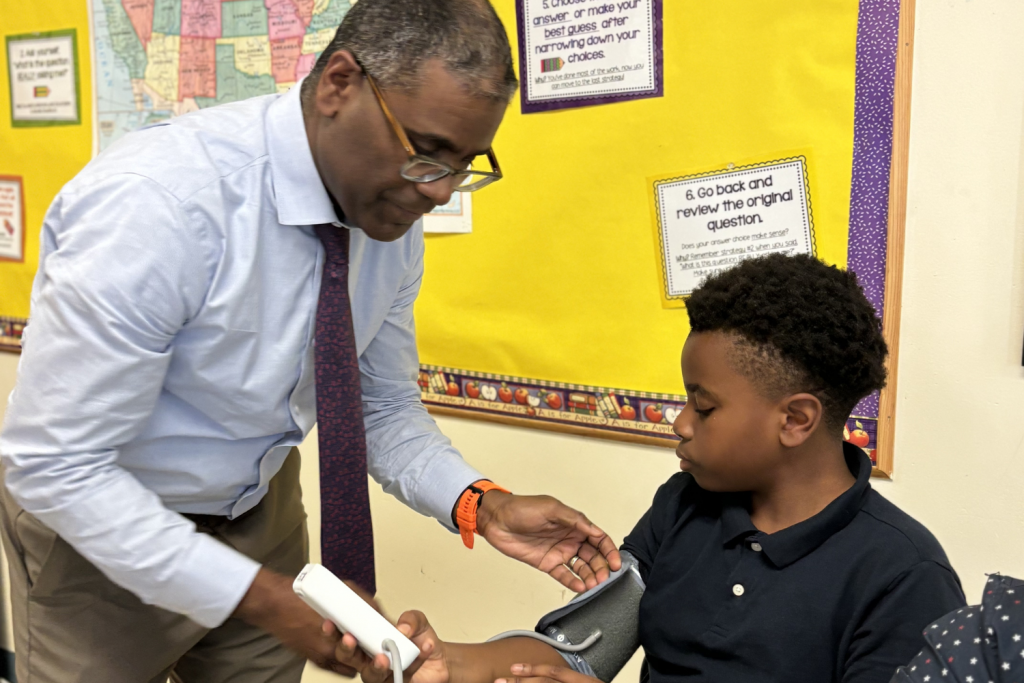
{"points": [[407, 453]]}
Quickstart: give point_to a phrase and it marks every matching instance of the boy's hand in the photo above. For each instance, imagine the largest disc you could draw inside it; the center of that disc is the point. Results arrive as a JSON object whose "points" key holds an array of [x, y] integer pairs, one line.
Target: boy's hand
{"points": [[545, 673], [430, 667]]}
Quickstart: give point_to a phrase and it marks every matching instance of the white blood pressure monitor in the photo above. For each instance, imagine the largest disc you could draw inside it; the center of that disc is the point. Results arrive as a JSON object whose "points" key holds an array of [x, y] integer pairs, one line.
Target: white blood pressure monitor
{"points": [[336, 602]]}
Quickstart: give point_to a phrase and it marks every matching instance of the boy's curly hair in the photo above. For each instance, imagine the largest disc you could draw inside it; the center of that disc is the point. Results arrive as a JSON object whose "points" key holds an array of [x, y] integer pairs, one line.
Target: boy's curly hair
{"points": [[801, 326]]}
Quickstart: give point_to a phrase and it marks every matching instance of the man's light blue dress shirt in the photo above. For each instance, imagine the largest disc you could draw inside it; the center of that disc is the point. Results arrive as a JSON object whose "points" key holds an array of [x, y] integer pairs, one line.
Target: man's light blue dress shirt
{"points": [[168, 364]]}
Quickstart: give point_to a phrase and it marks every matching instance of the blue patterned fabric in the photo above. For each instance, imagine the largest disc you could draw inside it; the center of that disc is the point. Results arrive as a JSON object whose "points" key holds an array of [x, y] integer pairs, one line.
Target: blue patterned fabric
{"points": [[977, 644]]}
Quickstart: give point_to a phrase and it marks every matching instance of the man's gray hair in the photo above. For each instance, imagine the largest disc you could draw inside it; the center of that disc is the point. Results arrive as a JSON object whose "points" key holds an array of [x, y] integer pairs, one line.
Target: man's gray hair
{"points": [[392, 39]]}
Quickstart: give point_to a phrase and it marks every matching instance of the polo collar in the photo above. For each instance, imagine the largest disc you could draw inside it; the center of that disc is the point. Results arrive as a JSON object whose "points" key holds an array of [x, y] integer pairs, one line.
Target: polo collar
{"points": [[787, 546], [301, 196]]}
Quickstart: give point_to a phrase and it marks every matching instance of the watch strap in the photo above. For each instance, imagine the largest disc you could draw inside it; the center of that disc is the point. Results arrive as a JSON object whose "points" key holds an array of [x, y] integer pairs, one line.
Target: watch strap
{"points": [[469, 504]]}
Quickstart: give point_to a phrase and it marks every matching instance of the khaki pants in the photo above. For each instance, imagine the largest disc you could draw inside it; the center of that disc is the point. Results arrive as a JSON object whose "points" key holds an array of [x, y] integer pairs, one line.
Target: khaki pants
{"points": [[73, 625]]}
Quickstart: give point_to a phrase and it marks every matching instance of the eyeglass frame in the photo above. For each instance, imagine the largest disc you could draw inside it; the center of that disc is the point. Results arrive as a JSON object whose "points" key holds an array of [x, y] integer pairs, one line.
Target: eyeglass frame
{"points": [[414, 158]]}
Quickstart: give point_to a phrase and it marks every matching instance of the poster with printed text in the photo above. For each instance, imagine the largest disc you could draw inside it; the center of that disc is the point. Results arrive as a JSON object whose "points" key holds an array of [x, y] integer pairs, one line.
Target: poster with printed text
{"points": [[12, 219], [454, 217], [709, 222], [43, 75], [575, 53]]}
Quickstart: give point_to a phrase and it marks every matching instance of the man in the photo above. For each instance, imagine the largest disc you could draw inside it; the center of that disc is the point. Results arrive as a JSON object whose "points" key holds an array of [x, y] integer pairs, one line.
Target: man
{"points": [[151, 512]]}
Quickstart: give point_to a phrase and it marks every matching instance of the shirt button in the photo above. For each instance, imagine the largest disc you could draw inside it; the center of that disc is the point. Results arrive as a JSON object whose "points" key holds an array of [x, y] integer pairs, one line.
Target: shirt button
{"points": [[738, 590], [756, 547]]}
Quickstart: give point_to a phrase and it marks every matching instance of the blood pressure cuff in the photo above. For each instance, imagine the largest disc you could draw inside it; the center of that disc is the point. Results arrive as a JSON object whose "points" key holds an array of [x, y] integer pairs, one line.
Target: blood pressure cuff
{"points": [[613, 608]]}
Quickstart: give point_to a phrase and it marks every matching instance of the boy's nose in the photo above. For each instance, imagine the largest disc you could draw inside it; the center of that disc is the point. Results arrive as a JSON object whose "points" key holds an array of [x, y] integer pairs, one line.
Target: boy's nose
{"points": [[681, 427]]}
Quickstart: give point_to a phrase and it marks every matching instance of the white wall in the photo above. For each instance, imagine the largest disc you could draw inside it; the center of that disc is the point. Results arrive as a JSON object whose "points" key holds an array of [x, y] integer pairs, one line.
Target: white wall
{"points": [[960, 418]]}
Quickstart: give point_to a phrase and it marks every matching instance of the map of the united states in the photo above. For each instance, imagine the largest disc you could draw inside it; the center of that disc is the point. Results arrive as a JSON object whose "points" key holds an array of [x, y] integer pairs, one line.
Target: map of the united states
{"points": [[161, 58]]}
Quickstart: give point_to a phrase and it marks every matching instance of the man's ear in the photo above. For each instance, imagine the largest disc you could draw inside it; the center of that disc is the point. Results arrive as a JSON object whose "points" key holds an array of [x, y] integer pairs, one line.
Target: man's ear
{"points": [[802, 415], [340, 81]]}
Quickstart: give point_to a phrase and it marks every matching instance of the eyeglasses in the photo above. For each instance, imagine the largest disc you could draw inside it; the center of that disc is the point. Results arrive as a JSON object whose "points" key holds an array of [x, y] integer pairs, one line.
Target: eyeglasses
{"points": [[423, 169]]}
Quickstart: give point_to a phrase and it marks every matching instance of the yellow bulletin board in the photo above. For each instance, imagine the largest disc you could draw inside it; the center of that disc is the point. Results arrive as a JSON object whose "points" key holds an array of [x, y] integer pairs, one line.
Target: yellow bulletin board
{"points": [[551, 313], [45, 158]]}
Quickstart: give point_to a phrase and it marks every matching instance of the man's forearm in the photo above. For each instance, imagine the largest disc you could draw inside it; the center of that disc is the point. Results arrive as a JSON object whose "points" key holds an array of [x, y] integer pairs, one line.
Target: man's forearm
{"points": [[485, 662], [124, 529]]}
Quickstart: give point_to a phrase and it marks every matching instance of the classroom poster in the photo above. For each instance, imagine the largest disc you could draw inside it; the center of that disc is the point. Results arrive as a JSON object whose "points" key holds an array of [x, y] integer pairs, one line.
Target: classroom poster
{"points": [[574, 53], [12, 219], [454, 217], [709, 222], [43, 74]]}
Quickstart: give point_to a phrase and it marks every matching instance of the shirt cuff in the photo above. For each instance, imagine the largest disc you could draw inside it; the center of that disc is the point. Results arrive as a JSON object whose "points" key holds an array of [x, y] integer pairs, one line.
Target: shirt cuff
{"points": [[447, 482], [210, 582]]}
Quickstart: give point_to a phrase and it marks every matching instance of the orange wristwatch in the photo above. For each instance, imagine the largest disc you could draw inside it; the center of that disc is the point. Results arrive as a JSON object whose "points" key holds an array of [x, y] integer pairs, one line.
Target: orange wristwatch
{"points": [[469, 503]]}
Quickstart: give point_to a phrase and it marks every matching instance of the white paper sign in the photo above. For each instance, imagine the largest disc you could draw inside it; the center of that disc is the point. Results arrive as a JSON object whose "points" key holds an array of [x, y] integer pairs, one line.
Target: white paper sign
{"points": [[43, 77], [581, 52], [456, 216], [710, 222], [12, 219]]}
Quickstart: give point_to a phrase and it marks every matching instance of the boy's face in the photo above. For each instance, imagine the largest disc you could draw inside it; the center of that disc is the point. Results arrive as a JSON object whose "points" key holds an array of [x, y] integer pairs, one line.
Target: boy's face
{"points": [[729, 430]]}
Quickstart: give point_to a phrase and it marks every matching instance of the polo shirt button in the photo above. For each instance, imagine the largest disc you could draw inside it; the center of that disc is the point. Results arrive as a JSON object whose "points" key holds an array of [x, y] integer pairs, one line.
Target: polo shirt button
{"points": [[738, 590], [756, 547]]}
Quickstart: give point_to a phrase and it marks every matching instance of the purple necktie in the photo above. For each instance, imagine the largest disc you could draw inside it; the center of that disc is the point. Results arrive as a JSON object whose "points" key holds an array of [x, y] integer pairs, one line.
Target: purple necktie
{"points": [[346, 532]]}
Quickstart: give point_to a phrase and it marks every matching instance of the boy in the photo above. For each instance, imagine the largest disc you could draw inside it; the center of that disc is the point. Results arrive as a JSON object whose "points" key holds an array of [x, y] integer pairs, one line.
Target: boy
{"points": [[769, 557]]}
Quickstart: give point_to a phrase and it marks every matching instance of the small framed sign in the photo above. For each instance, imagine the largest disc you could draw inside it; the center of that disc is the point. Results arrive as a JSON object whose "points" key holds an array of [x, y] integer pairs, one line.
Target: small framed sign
{"points": [[12, 219], [455, 217], [43, 73]]}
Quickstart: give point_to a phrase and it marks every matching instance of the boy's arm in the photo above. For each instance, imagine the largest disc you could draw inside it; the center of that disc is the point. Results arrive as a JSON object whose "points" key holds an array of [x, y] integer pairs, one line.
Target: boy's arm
{"points": [[441, 662], [487, 662], [890, 635]]}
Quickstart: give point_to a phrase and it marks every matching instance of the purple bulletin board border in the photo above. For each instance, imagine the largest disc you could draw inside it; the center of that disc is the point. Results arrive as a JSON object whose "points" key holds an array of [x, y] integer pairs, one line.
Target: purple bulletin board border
{"points": [[10, 333], [877, 40], [607, 412], [529, 107]]}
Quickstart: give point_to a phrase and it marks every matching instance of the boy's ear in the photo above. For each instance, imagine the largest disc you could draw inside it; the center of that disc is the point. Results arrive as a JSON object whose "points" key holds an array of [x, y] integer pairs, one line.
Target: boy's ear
{"points": [[802, 415]]}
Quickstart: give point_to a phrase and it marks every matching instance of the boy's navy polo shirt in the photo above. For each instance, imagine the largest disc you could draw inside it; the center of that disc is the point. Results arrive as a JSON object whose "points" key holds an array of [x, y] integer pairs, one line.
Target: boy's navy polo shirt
{"points": [[842, 596]]}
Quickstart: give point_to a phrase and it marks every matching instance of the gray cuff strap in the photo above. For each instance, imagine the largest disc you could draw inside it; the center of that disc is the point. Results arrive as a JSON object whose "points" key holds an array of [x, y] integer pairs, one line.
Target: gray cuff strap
{"points": [[598, 631], [578, 664]]}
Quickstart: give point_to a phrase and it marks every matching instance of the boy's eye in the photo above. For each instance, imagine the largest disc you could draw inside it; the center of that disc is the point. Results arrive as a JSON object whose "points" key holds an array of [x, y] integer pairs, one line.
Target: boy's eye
{"points": [[703, 413]]}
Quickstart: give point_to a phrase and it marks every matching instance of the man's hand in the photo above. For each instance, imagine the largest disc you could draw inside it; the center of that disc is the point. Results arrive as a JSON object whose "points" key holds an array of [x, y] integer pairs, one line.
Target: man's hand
{"points": [[547, 535], [545, 673], [271, 604]]}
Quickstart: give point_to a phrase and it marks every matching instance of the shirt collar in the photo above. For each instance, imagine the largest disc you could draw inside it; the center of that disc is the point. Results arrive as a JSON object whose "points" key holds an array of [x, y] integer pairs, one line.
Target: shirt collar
{"points": [[789, 545], [301, 196]]}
